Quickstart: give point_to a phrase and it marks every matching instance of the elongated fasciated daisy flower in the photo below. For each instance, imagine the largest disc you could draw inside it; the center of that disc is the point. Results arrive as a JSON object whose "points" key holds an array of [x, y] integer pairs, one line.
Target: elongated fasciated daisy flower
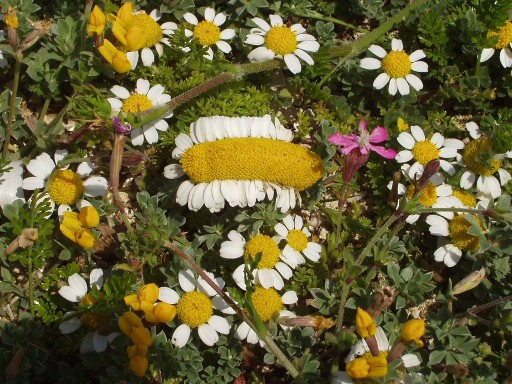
{"points": [[504, 44], [76, 292], [195, 309], [483, 173], [292, 230], [208, 33], [139, 31], [269, 304], [64, 186], [454, 237], [142, 99], [241, 160], [397, 66], [269, 272], [278, 40], [422, 150]]}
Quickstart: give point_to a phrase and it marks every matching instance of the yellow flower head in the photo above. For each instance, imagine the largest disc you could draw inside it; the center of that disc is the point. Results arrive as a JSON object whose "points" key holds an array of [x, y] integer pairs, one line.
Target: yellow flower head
{"points": [[11, 19], [144, 299], [73, 229], [97, 20], [402, 125], [365, 325], [114, 57], [139, 365], [413, 331]]}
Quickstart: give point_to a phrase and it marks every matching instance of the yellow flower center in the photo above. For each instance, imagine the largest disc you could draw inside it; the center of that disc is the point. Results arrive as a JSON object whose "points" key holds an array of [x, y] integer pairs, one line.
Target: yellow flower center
{"points": [[466, 198], [250, 158], [11, 20], [66, 187], [470, 157], [151, 29], [281, 40], [428, 196], [93, 320], [207, 33], [504, 36], [267, 247], [424, 151], [137, 103], [194, 308], [397, 64], [297, 240], [88, 299], [267, 302], [458, 229]]}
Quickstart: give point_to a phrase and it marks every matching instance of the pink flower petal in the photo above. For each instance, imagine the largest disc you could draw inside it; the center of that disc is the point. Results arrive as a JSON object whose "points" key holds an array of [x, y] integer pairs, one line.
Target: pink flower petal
{"points": [[378, 135], [384, 152]]}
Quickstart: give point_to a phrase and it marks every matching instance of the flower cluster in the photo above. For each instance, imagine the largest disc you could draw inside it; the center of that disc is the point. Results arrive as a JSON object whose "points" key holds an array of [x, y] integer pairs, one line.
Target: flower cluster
{"points": [[131, 325], [77, 226], [145, 300]]}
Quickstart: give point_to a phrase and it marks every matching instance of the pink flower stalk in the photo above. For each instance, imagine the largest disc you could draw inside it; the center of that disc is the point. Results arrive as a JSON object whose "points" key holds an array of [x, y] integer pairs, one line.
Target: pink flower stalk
{"points": [[357, 148], [364, 142]]}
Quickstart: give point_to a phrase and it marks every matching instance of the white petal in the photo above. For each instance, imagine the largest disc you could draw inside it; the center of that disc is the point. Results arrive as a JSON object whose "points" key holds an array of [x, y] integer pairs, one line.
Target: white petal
{"points": [[415, 81], [183, 192], [403, 156], [96, 278], [100, 342], [419, 66], [242, 331], [219, 19], [284, 270], [155, 92], [275, 20], [261, 54], [181, 335], [71, 294], [292, 63], [150, 134], [239, 276], [261, 23], [220, 324], [506, 58], [168, 295], [142, 86], [147, 56], [370, 63], [223, 46], [505, 176], [397, 45], [70, 326], [486, 54], [438, 225], [410, 360], [304, 56], [406, 140], [290, 297], [190, 18], [207, 334], [378, 51], [417, 55], [393, 87], [265, 278], [187, 280], [173, 171], [309, 45], [381, 80], [120, 92], [253, 39], [489, 185], [87, 344], [417, 133], [209, 14], [403, 85], [84, 169], [31, 183], [467, 180], [95, 186], [137, 136], [42, 166]]}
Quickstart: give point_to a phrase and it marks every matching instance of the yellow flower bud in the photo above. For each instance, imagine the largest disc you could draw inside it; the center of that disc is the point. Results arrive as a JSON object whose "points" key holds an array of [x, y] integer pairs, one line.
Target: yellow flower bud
{"points": [[137, 349], [72, 228], [378, 366], [141, 336], [89, 217], [365, 325], [85, 238], [413, 331], [124, 15], [358, 368], [164, 312], [149, 293], [133, 301], [97, 20], [135, 39], [114, 57], [139, 365], [11, 19], [367, 367]]}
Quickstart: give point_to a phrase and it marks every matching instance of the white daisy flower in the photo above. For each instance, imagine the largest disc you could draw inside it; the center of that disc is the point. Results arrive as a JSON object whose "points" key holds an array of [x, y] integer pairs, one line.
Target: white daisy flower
{"points": [[397, 66], [156, 37], [269, 304], [436, 194], [422, 150], [10, 184], [361, 348], [504, 34], [77, 292], [278, 40], [195, 309], [297, 245], [269, 272], [208, 33], [241, 160], [64, 186], [454, 237], [486, 183], [142, 99]]}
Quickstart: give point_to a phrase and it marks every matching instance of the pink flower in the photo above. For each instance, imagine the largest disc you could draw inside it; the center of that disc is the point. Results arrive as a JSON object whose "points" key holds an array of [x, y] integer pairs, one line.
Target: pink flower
{"points": [[364, 142]]}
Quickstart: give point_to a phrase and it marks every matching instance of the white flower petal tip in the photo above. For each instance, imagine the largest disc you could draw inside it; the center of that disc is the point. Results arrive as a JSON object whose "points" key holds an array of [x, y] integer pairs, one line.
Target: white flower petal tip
{"points": [[265, 172]]}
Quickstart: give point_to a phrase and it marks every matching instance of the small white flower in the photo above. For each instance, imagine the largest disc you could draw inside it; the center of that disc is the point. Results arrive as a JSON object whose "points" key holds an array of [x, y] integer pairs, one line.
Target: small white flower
{"points": [[208, 33], [63, 186], [397, 66], [77, 292], [10, 184], [278, 40], [504, 43], [195, 309], [297, 245], [142, 99], [484, 174], [422, 150], [269, 272]]}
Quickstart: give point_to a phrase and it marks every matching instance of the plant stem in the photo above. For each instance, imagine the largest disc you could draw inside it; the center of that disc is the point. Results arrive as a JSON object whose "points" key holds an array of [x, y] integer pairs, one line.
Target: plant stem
{"points": [[271, 345], [319, 16], [12, 105]]}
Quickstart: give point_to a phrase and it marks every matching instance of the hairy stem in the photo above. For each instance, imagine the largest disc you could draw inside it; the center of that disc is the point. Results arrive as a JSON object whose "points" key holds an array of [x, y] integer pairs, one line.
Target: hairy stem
{"points": [[12, 106]]}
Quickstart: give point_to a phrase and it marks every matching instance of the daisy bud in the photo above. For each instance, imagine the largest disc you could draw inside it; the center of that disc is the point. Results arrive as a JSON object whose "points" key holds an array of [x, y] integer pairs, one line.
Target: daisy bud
{"points": [[12, 25], [89, 217], [139, 365], [365, 325], [414, 330]]}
